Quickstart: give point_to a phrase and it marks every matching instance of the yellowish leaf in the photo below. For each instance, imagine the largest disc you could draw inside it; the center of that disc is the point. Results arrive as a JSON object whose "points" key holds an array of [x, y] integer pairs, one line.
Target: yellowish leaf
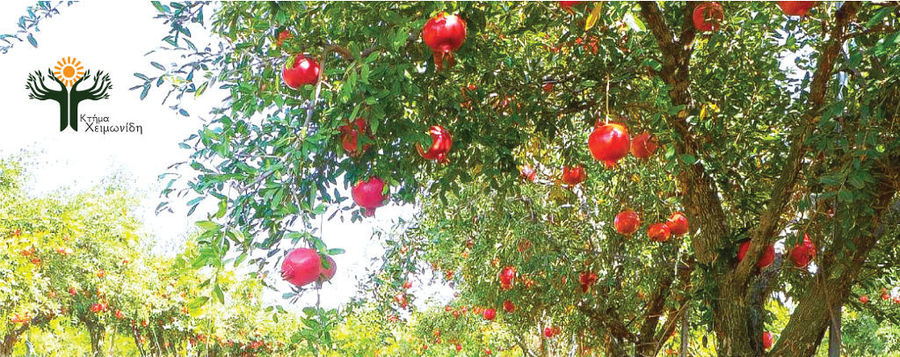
{"points": [[594, 16]]}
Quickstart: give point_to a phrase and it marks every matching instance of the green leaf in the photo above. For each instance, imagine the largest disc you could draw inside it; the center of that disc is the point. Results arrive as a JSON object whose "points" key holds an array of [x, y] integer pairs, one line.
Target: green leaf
{"points": [[217, 291]]}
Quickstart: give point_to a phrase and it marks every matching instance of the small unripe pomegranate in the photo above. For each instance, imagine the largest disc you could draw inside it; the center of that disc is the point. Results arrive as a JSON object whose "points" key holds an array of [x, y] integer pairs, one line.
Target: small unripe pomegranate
{"points": [[627, 222], [301, 72], [301, 266], [444, 34]]}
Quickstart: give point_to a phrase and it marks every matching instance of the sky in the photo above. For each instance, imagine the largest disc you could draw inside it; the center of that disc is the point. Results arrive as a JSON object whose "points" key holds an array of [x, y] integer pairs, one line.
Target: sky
{"points": [[114, 36]]}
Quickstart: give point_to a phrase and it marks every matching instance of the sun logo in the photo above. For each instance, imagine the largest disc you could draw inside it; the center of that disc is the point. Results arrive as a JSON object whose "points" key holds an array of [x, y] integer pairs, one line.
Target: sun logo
{"points": [[68, 70]]}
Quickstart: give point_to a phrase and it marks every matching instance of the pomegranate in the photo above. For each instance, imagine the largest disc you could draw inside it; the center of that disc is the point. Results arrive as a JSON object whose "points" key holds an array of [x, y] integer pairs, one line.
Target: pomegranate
{"points": [[407, 285], [766, 259], [708, 16], [627, 222], [507, 277], [864, 299], [119, 314], [369, 195], [440, 145], [527, 173], [301, 72], [349, 135], [643, 146], [659, 232], [568, 4], [609, 143], [803, 252], [301, 266], [897, 299], [678, 223], [573, 175], [548, 332], [489, 314], [796, 8], [458, 347], [587, 279], [508, 306], [96, 308], [885, 296], [327, 274], [400, 298], [72, 291], [444, 34], [767, 340]]}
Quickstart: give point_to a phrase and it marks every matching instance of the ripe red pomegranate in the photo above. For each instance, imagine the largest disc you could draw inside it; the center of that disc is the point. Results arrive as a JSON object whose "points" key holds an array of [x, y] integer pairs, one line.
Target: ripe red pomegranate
{"points": [[885, 296], [72, 291], [327, 274], [548, 332], [766, 259], [458, 347], [568, 4], [864, 299], [767, 340], [119, 314], [587, 279], [369, 195], [489, 314], [659, 232], [609, 143], [796, 8], [96, 308], [349, 135], [547, 87], [508, 306], [643, 146], [301, 266], [440, 145], [303, 71], [444, 34], [527, 173], [627, 222], [507, 277], [573, 175], [678, 223], [803, 252], [708, 16]]}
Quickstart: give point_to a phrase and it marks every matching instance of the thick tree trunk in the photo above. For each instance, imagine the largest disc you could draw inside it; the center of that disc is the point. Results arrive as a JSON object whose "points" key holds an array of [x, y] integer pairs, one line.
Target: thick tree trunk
{"points": [[834, 334]]}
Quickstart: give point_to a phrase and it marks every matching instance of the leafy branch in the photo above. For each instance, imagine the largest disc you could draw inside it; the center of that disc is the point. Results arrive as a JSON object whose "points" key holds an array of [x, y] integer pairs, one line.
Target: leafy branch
{"points": [[28, 24]]}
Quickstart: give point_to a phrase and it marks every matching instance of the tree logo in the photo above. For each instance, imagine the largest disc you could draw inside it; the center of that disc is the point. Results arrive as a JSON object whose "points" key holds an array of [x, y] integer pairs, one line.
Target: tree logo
{"points": [[68, 74]]}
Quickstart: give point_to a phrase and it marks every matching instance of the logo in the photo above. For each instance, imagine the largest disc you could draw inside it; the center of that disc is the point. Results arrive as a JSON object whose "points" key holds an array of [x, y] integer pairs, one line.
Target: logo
{"points": [[71, 79]]}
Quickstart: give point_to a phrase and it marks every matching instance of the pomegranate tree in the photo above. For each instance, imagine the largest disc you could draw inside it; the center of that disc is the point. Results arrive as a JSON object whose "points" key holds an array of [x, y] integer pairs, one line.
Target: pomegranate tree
{"points": [[609, 143], [766, 259], [444, 34], [300, 72], [796, 8], [301, 266], [678, 223], [349, 135], [803, 252], [643, 146], [369, 195], [573, 175], [659, 232], [627, 222], [440, 145], [707, 16]]}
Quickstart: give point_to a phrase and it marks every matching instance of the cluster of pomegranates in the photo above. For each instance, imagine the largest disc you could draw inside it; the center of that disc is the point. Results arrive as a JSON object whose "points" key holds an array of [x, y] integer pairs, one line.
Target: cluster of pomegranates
{"points": [[708, 16], [304, 265], [627, 222], [801, 255], [885, 296]]}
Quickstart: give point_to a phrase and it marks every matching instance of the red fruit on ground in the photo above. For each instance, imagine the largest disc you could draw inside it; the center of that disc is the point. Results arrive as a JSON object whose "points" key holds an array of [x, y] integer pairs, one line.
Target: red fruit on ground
{"points": [[609, 143], [678, 223], [627, 222], [300, 72], [643, 146], [444, 34], [369, 195], [796, 8], [508, 306], [489, 314], [301, 266], [440, 145], [659, 232], [573, 175], [766, 259], [707, 16]]}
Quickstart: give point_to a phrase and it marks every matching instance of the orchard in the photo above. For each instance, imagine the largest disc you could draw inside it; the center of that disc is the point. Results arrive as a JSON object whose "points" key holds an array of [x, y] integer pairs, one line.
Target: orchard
{"points": [[587, 178]]}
